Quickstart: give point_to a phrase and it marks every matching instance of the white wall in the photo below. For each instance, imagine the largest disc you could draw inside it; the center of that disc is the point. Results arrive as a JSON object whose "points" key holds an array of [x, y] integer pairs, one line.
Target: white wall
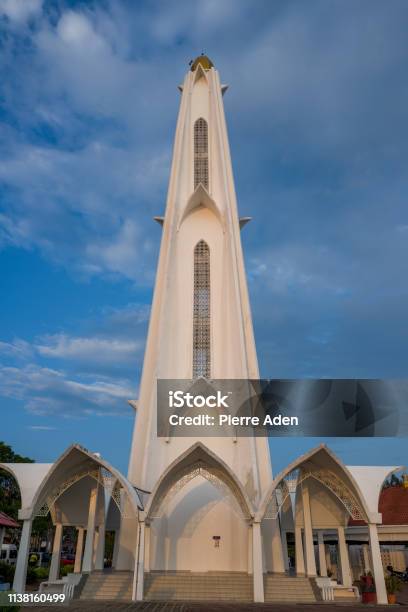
{"points": [[182, 538]]}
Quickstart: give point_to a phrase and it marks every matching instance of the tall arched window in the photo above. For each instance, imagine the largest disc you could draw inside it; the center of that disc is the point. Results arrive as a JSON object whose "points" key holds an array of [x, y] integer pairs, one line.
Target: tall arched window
{"points": [[201, 312], [201, 153]]}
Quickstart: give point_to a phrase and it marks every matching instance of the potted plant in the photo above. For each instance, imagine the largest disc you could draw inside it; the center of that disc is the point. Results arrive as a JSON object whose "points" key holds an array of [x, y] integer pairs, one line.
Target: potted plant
{"points": [[368, 593], [392, 584]]}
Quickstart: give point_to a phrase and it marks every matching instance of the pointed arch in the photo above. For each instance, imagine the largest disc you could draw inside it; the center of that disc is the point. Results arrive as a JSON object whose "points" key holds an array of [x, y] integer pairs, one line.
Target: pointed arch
{"points": [[200, 198], [199, 73], [321, 464], [28, 477], [202, 311], [72, 466], [198, 460], [371, 480]]}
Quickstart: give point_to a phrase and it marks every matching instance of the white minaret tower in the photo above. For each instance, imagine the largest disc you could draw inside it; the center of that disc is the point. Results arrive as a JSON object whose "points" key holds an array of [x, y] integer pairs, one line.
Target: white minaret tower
{"points": [[200, 325]]}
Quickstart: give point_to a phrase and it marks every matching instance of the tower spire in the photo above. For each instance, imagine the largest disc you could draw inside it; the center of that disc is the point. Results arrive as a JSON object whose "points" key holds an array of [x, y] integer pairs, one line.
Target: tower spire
{"points": [[202, 60], [200, 323]]}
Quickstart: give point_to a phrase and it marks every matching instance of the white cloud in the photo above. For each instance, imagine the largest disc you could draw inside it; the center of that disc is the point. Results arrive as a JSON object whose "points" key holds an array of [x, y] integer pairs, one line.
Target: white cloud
{"points": [[83, 192], [19, 349], [195, 22], [81, 63], [284, 269], [95, 230], [78, 375], [316, 96], [94, 350], [42, 428], [20, 10], [76, 30], [127, 317], [47, 391], [121, 254]]}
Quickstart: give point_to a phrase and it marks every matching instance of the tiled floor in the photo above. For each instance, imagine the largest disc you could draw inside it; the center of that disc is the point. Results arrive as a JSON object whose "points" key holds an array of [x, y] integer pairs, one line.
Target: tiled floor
{"points": [[84, 606], [151, 606]]}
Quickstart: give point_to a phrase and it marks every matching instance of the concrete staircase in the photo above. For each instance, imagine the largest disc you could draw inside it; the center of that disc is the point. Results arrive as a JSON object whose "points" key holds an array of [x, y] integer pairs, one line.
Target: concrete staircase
{"points": [[206, 586], [288, 589], [108, 585], [195, 586]]}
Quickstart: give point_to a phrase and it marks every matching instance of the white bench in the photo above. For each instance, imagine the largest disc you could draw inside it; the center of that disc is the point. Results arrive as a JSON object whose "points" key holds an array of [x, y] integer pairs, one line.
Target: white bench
{"points": [[331, 590], [66, 585]]}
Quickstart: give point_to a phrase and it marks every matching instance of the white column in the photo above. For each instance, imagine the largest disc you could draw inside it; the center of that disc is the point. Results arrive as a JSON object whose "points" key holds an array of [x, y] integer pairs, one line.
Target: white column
{"points": [[128, 534], [20, 574], [147, 548], [100, 548], [344, 558], [300, 561], [250, 570], [257, 562], [366, 558], [116, 543], [56, 553], [278, 565], [2, 532], [138, 576], [377, 565], [95, 546], [87, 564], [285, 551], [307, 518], [322, 554], [78, 550], [328, 558]]}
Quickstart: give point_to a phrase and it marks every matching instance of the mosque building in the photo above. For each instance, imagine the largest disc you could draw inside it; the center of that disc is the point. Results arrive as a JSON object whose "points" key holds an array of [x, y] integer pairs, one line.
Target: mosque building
{"points": [[205, 518]]}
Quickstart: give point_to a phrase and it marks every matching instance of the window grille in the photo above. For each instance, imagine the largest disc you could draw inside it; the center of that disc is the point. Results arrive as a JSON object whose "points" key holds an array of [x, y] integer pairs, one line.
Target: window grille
{"points": [[201, 311], [201, 153]]}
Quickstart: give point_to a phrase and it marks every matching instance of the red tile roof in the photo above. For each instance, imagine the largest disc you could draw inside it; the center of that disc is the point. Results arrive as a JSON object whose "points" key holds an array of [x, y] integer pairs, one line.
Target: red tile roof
{"points": [[393, 506], [7, 521]]}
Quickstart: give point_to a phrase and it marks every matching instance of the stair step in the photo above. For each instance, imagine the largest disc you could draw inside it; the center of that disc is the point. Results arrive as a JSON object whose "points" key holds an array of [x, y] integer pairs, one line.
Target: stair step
{"points": [[203, 586], [288, 589], [112, 586], [189, 586]]}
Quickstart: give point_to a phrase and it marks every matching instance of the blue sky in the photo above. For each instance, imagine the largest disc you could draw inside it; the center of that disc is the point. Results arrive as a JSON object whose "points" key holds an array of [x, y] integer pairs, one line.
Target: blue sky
{"points": [[318, 128]]}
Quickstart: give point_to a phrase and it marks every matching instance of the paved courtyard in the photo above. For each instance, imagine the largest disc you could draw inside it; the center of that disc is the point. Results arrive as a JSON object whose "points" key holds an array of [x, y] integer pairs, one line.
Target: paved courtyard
{"points": [[152, 606]]}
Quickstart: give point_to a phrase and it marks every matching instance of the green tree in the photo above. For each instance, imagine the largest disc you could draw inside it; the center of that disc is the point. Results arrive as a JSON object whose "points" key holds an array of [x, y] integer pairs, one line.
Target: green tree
{"points": [[393, 481], [10, 499]]}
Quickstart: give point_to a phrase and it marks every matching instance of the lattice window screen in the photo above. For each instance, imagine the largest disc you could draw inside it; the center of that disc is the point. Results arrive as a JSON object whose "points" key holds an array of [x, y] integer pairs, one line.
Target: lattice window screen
{"points": [[201, 153], [201, 313]]}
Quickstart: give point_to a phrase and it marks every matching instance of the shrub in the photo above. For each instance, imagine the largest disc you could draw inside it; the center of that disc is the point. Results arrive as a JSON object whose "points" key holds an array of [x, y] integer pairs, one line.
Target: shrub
{"points": [[392, 584], [4, 607], [66, 569], [7, 571], [31, 574], [42, 572]]}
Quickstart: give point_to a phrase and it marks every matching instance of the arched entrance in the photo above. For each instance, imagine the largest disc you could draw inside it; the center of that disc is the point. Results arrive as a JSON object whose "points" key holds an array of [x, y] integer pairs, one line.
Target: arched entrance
{"points": [[323, 496], [73, 492], [198, 517]]}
